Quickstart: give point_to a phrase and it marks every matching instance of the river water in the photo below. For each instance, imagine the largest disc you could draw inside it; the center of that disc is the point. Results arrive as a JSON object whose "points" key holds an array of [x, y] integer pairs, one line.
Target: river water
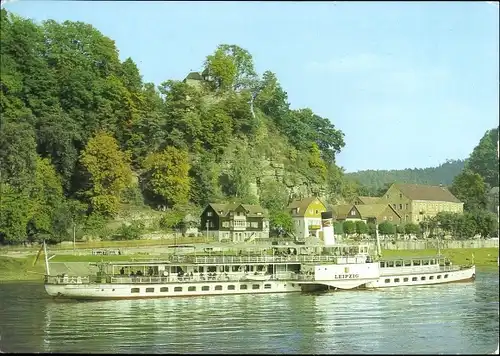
{"points": [[447, 319]]}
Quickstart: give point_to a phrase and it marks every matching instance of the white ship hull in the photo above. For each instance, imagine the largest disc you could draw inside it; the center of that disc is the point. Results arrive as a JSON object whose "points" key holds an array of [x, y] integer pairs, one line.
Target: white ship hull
{"points": [[132, 291], [424, 278]]}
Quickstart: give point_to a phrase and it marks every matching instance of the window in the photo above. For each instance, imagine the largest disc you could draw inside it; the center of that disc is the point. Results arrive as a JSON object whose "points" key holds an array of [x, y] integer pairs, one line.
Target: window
{"points": [[205, 288], [382, 264], [225, 224], [407, 263], [396, 280], [191, 289], [425, 262], [416, 262], [164, 289], [209, 213], [353, 212], [445, 276], [177, 289], [390, 264], [414, 279], [267, 286], [438, 276], [431, 277], [399, 263], [243, 286], [134, 290], [422, 278], [316, 211], [387, 280], [400, 196], [400, 206], [406, 206], [230, 287], [255, 224], [218, 287], [406, 217], [150, 290], [405, 279], [255, 286]]}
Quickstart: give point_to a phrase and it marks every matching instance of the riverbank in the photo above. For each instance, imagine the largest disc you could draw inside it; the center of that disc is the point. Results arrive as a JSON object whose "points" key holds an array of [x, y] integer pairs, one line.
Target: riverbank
{"points": [[22, 268]]}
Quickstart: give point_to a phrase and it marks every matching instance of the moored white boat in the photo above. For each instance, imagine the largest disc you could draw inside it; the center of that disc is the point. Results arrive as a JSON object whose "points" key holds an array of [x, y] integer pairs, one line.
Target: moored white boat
{"points": [[272, 269]]}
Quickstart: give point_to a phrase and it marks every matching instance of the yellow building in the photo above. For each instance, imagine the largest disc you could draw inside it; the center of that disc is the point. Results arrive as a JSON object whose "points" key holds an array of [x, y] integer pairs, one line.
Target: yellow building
{"points": [[306, 215], [414, 202]]}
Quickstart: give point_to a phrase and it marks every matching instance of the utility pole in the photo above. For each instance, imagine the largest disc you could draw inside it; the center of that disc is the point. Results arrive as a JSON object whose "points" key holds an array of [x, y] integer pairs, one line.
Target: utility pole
{"points": [[74, 239]]}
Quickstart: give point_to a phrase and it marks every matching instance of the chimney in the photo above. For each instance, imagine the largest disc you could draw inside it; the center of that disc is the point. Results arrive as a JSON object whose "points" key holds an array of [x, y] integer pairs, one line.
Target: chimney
{"points": [[327, 223]]}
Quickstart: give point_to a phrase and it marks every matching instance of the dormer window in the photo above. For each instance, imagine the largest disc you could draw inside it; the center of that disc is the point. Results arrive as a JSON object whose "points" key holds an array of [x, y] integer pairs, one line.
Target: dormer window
{"points": [[209, 213], [353, 212], [259, 213]]}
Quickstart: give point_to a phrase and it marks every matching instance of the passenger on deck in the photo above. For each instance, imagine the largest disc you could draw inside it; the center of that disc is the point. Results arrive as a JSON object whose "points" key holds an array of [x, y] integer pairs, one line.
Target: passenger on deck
{"points": [[150, 271], [139, 273], [122, 271]]}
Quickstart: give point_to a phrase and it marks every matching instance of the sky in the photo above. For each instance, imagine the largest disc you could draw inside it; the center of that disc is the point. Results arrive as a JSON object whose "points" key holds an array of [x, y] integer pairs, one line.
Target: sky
{"points": [[410, 84]]}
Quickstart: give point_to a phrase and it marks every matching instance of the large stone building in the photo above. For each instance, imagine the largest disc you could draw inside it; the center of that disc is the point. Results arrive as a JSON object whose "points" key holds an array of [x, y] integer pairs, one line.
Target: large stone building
{"points": [[235, 222], [306, 215], [414, 202]]}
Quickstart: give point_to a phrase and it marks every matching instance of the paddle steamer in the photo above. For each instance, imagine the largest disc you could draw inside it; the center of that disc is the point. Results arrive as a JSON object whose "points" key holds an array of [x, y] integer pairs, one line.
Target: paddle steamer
{"points": [[255, 269]]}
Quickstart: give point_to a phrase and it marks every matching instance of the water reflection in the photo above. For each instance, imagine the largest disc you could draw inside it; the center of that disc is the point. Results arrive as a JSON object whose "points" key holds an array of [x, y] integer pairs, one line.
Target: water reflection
{"points": [[454, 318]]}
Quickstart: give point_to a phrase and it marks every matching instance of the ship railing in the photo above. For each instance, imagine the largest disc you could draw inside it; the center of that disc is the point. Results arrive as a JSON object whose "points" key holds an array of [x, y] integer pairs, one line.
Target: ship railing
{"points": [[67, 280], [201, 277], [255, 259]]}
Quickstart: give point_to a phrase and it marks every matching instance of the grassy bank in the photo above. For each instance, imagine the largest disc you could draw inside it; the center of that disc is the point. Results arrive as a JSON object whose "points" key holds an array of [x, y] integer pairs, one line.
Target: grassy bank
{"points": [[22, 269]]}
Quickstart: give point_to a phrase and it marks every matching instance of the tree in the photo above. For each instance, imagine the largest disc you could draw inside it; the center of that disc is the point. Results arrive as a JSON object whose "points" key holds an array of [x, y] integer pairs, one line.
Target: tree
{"points": [[316, 163], [14, 214], [17, 154], [469, 187], [46, 198], [361, 227], [167, 176], [349, 227], [231, 67], [411, 229], [280, 221], [204, 180], [386, 228], [338, 228], [485, 222], [109, 173], [483, 159], [221, 69], [273, 196]]}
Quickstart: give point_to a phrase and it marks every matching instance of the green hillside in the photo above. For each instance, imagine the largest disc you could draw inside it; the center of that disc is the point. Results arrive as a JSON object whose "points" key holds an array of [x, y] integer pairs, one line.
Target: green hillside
{"points": [[85, 141], [376, 180]]}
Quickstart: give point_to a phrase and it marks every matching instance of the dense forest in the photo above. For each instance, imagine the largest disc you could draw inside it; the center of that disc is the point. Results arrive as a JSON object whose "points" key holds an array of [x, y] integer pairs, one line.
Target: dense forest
{"points": [[376, 181], [83, 138]]}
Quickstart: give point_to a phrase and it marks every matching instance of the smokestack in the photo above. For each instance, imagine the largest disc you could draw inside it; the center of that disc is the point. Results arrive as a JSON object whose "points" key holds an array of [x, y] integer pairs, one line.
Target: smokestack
{"points": [[327, 223]]}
